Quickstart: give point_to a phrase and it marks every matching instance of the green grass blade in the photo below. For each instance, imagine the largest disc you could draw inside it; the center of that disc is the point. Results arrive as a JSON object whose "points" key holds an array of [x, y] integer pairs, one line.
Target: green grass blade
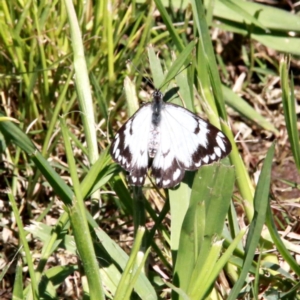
{"points": [[83, 85], [143, 286], [79, 224], [211, 90], [54, 118], [235, 6], [98, 171], [279, 243], [267, 16], [181, 59], [227, 255], [179, 203], [131, 96], [208, 64], [186, 89], [83, 88], [288, 100], [169, 24], [155, 66], [261, 202], [18, 284], [52, 239], [243, 108], [15, 134], [54, 277], [132, 269], [209, 203], [24, 242], [200, 281]]}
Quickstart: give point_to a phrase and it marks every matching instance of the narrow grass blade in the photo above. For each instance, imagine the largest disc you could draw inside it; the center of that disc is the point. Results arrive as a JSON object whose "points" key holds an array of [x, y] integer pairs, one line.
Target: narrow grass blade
{"points": [[179, 203], [209, 65], [181, 59], [267, 16], [143, 287], [24, 242], [79, 224], [18, 283], [170, 27], [227, 255], [54, 277], [279, 243], [234, 228], [132, 269], [243, 108], [155, 66], [236, 7], [261, 202], [131, 96], [200, 280], [83, 87], [98, 171], [54, 116], [288, 100], [211, 90], [82, 83], [15, 134], [186, 88]]}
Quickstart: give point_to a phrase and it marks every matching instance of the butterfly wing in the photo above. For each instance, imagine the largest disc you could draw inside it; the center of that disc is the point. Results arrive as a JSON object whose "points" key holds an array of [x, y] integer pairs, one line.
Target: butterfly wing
{"points": [[130, 145], [186, 143]]}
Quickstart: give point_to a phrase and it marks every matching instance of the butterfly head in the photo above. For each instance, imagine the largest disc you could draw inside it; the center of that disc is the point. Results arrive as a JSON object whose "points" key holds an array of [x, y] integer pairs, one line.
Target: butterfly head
{"points": [[157, 96]]}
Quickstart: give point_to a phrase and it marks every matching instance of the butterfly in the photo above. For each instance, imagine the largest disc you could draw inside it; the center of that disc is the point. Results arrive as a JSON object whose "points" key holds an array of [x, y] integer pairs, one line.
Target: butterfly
{"points": [[168, 139]]}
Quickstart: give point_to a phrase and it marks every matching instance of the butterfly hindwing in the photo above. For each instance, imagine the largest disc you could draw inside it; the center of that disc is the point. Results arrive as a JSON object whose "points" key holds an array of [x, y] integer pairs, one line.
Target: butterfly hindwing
{"points": [[186, 143], [130, 145]]}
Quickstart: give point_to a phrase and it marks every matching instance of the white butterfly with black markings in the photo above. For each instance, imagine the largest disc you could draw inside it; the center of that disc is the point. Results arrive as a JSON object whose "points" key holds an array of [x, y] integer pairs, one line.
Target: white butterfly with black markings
{"points": [[168, 139]]}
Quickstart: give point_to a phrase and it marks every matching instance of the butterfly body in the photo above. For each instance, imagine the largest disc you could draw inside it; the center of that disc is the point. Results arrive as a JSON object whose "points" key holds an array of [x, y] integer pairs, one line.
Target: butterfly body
{"points": [[157, 106], [168, 137]]}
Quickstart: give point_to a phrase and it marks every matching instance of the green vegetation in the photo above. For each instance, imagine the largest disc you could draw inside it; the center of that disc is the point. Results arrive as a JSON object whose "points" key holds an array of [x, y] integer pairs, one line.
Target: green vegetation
{"points": [[71, 74]]}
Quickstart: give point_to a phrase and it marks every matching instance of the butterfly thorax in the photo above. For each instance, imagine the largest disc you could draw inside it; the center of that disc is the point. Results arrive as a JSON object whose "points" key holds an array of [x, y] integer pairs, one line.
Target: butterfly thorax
{"points": [[154, 135], [157, 104]]}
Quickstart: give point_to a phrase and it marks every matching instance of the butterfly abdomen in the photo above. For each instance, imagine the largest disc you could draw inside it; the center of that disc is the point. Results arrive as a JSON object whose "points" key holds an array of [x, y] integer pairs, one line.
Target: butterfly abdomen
{"points": [[154, 135], [153, 140]]}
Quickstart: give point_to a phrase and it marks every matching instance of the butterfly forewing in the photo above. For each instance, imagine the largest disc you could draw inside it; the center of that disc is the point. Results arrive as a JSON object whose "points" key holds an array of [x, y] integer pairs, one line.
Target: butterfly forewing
{"points": [[130, 145]]}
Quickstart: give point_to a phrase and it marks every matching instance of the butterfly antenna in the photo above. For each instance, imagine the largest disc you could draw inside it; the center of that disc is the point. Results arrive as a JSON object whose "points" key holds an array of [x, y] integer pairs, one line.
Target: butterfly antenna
{"points": [[128, 63], [165, 83]]}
